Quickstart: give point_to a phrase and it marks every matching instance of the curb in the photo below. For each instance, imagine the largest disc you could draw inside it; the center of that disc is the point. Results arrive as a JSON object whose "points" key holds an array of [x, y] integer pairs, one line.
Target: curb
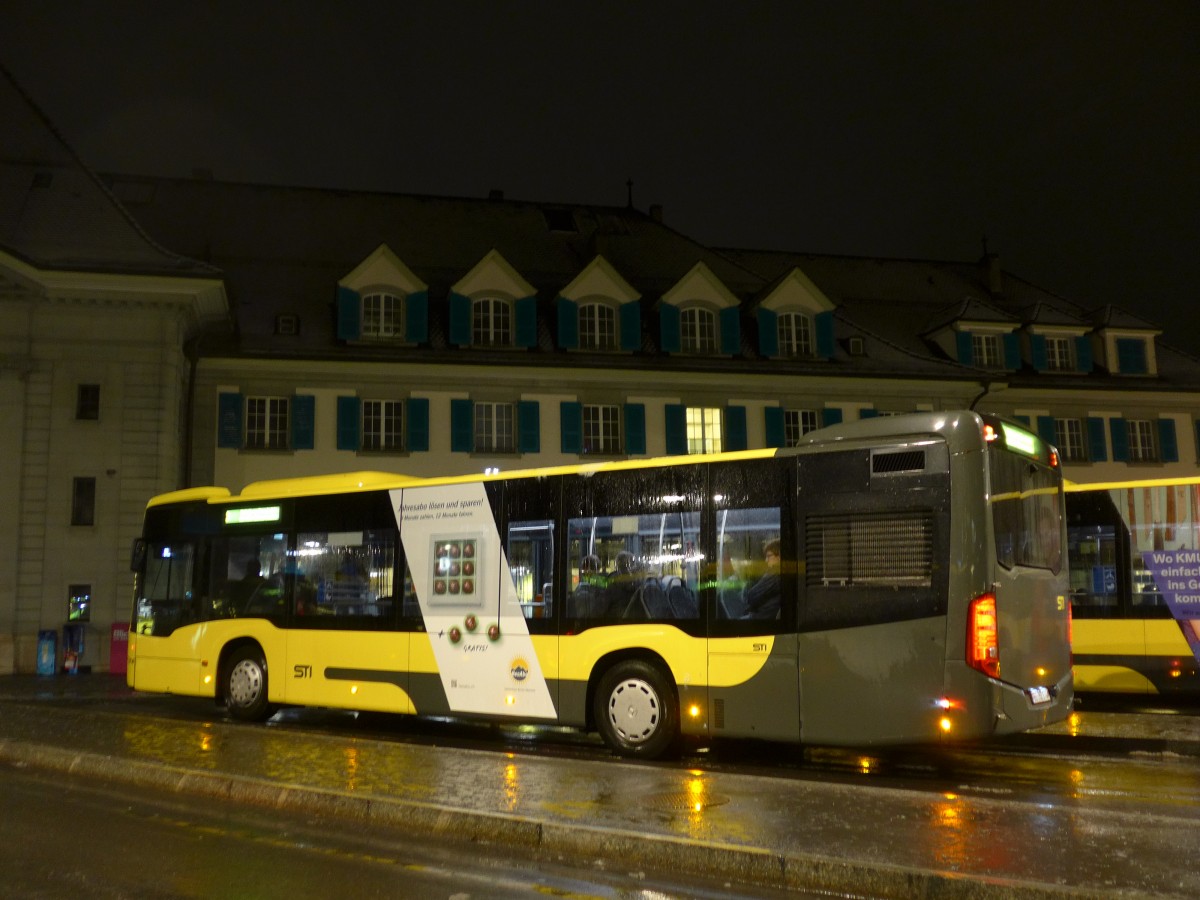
{"points": [[748, 866]]}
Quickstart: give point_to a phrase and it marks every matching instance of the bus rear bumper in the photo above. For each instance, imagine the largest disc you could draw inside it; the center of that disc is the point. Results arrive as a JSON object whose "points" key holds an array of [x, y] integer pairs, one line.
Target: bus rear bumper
{"points": [[1022, 709]]}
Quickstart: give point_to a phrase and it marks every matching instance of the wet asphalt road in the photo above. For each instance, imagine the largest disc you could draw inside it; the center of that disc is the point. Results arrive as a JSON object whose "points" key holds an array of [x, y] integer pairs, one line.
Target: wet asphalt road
{"points": [[1106, 805]]}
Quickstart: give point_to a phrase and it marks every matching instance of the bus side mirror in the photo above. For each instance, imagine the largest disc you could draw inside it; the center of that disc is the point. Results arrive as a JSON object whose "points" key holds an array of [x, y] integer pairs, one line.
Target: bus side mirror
{"points": [[137, 555]]}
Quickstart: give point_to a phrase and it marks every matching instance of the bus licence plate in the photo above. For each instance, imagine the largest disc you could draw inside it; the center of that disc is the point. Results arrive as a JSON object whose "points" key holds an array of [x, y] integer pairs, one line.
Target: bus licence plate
{"points": [[1038, 695]]}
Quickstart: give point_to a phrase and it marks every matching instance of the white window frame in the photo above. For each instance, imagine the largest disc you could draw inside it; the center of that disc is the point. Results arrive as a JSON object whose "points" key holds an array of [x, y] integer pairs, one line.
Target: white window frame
{"points": [[491, 322], [267, 423], [986, 350], [602, 429], [495, 427], [597, 327], [704, 429], [1060, 354], [383, 425], [796, 335], [1143, 440], [1070, 437], [697, 330], [382, 316], [797, 423]]}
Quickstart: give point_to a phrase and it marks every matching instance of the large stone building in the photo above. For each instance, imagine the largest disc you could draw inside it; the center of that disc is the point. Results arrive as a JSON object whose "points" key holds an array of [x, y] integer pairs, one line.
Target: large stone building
{"points": [[156, 333]]}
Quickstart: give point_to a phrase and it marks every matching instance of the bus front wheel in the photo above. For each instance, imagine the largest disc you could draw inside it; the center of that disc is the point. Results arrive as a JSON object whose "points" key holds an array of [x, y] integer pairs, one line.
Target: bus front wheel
{"points": [[246, 685], [635, 710]]}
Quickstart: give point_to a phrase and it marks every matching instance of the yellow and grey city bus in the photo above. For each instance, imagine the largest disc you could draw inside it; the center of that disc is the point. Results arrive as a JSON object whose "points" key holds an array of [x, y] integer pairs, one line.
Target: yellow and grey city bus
{"points": [[887, 581], [1134, 552]]}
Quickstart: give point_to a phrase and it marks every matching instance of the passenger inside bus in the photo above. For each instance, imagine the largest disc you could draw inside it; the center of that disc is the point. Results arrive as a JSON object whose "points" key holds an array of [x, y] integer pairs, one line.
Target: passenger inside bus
{"points": [[763, 596]]}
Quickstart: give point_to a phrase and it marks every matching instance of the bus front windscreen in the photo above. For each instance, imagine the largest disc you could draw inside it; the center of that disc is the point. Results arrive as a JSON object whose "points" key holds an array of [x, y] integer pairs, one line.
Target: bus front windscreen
{"points": [[1027, 506]]}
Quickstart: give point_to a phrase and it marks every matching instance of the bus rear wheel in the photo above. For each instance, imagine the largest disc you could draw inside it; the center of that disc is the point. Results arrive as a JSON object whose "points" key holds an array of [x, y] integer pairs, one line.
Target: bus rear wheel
{"points": [[246, 685], [635, 710]]}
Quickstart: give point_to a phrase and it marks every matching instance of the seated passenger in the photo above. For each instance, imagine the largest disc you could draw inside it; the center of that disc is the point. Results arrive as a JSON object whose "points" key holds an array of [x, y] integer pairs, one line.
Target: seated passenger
{"points": [[763, 596], [622, 583]]}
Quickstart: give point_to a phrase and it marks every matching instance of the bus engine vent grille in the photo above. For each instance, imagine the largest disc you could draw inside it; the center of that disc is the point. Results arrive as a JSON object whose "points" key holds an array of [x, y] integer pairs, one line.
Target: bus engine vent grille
{"points": [[718, 713], [903, 461], [888, 548]]}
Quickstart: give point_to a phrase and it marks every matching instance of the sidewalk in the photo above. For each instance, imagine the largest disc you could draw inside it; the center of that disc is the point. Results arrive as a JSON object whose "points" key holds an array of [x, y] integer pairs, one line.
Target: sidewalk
{"points": [[777, 832]]}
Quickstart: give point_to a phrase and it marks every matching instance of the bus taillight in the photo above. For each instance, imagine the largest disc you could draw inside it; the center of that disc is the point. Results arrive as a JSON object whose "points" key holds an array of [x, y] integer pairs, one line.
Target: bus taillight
{"points": [[983, 646]]}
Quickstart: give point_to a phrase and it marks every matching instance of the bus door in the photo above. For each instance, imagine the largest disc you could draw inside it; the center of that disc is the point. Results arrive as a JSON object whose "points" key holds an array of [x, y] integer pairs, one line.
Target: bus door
{"points": [[750, 583], [345, 643]]}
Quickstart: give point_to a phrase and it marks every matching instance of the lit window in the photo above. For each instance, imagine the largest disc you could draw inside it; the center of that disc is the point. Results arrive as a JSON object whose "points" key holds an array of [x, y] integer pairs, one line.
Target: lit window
{"points": [[703, 429], [491, 322], [495, 428], [382, 316], [796, 335], [601, 429], [79, 603], [697, 330], [797, 423], [597, 327], [266, 423], [383, 425]]}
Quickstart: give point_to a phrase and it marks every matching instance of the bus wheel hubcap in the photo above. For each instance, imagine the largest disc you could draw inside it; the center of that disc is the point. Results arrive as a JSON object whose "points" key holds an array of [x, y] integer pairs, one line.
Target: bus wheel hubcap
{"points": [[245, 682], [634, 710]]}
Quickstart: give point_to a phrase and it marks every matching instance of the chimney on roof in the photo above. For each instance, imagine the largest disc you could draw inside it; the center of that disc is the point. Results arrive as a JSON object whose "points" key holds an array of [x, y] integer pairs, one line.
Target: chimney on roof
{"points": [[656, 213], [993, 275], [495, 194]]}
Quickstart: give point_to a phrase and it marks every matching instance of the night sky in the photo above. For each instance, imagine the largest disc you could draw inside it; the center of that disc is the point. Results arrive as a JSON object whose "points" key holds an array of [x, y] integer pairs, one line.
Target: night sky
{"points": [[1067, 133]]}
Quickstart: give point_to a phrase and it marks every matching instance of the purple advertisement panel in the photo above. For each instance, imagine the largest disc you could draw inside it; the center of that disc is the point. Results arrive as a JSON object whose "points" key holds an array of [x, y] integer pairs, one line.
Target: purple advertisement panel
{"points": [[1177, 577]]}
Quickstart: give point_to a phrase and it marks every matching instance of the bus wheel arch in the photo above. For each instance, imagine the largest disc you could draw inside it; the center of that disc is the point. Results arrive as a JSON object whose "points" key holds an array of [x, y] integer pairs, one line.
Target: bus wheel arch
{"points": [[243, 681], [635, 705]]}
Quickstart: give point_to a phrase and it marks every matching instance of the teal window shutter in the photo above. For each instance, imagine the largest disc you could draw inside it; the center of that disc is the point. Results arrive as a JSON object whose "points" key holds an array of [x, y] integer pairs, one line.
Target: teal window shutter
{"points": [[966, 351], [1037, 352], [823, 322], [349, 314], [304, 408], [460, 320], [831, 416], [570, 414], [1119, 431], [675, 426], [462, 426], [868, 413], [731, 331], [635, 429], [668, 320], [348, 421], [229, 420], [1024, 420], [1012, 351], [1097, 446], [1083, 353], [416, 425], [631, 326], [529, 427], [416, 317], [1045, 429], [1168, 446], [568, 324], [776, 436], [735, 428], [1131, 356], [768, 336], [525, 334]]}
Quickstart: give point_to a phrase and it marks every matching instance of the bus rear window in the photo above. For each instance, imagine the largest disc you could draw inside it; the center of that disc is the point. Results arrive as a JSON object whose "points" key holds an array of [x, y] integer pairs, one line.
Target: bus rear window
{"points": [[1026, 502]]}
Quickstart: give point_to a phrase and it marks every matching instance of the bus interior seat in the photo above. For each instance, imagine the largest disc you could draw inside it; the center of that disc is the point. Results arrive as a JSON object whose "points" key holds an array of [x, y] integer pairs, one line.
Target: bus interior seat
{"points": [[733, 605], [654, 598]]}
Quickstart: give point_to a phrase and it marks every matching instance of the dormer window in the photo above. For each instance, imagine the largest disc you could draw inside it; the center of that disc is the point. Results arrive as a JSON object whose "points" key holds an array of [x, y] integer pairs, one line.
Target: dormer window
{"points": [[382, 316], [985, 349], [1132, 356], [491, 322], [697, 330], [597, 327], [1060, 354], [796, 335]]}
